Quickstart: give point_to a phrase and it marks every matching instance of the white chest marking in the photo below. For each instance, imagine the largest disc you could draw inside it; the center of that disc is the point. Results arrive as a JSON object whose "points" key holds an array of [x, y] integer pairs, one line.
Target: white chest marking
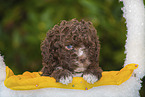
{"points": [[80, 68], [77, 74]]}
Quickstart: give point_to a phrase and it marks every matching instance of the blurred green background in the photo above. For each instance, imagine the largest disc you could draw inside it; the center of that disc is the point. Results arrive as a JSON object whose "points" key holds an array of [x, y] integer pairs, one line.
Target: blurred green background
{"points": [[24, 23]]}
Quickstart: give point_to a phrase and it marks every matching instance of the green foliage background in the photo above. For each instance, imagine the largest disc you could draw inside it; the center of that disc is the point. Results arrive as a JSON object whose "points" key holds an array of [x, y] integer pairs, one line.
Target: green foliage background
{"points": [[24, 23]]}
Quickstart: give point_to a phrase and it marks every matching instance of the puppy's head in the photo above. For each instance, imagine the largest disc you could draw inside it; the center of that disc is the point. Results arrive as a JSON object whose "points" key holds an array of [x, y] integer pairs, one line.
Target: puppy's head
{"points": [[73, 45]]}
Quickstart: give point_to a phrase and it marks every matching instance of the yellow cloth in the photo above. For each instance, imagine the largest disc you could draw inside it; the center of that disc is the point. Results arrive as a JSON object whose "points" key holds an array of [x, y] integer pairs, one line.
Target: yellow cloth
{"points": [[31, 81]]}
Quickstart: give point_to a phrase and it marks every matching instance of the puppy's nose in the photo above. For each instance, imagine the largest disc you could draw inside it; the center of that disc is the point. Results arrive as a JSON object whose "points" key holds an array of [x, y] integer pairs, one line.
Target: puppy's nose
{"points": [[82, 60]]}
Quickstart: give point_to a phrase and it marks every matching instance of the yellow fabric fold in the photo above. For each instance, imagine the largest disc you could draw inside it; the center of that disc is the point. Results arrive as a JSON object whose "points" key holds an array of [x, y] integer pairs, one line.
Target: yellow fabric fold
{"points": [[31, 81]]}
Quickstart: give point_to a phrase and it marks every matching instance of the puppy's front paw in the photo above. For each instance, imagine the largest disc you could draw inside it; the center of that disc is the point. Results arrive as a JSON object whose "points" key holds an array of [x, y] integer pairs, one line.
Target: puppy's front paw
{"points": [[62, 76], [65, 79], [90, 78]]}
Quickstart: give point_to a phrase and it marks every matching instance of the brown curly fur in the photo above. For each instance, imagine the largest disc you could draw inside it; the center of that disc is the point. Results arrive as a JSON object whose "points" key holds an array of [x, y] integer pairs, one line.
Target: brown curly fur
{"points": [[55, 57]]}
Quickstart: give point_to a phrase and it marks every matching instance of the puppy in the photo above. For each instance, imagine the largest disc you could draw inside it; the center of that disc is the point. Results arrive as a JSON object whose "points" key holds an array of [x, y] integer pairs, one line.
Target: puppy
{"points": [[71, 49]]}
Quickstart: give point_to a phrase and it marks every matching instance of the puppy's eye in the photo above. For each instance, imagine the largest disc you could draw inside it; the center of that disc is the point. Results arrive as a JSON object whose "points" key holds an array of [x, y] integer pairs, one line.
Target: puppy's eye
{"points": [[69, 47]]}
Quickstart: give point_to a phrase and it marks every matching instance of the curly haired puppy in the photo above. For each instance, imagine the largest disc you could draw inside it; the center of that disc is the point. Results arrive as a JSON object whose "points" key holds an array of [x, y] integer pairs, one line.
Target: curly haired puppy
{"points": [[71, 49]]}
